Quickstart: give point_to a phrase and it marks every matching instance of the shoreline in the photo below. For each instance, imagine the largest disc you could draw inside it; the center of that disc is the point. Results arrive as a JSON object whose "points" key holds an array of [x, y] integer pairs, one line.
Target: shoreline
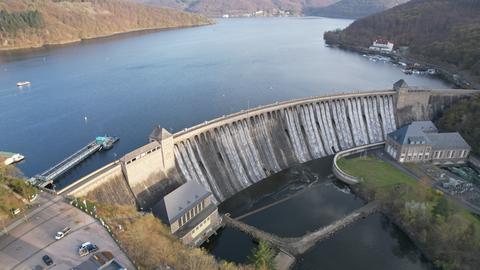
{"points": [[356, 190], [98, 37], [455, 77]]}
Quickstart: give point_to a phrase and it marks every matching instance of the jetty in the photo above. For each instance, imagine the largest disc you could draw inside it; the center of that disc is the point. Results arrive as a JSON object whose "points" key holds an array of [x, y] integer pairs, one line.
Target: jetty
{"points": [[47, 177]]}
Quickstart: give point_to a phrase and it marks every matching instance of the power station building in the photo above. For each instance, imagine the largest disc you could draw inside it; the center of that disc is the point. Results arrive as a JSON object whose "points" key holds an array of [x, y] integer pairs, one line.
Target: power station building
{"points": [[421, 142], [191, 213]]}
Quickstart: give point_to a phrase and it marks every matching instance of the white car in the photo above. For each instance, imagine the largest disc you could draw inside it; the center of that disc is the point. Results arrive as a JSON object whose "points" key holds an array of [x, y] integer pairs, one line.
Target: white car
{"points": [[62, 233]]}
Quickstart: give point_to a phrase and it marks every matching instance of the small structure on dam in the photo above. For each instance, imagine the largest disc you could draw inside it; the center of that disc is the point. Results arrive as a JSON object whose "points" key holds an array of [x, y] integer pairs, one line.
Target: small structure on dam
{"points": [[191, 213], [230, 153]]}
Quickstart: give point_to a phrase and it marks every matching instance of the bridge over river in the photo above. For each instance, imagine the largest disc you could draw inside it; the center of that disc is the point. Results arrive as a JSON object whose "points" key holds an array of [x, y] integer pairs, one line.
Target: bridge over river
{"points": [[295, 246]]}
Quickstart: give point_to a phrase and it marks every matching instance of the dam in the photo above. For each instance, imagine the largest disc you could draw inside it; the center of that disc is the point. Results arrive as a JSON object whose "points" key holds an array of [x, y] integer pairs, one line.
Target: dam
{"points": [[230, 153], [233, 154]]}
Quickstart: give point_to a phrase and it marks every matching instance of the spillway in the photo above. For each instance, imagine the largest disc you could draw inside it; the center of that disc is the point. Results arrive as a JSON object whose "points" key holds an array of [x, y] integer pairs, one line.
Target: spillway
{"points": [[230, 157]]}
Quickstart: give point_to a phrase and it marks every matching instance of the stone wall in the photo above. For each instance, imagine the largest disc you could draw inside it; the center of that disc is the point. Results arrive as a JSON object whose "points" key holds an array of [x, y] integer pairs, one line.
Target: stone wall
{"points": [[419, 105]]}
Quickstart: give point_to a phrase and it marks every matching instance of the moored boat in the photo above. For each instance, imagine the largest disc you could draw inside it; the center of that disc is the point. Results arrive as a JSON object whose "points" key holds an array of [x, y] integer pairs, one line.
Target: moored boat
{"points": [[13, 159], [25, 83]]}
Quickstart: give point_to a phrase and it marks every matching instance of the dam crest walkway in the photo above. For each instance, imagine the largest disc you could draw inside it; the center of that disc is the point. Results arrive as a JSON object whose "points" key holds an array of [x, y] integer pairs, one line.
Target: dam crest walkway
{"points": [[295, 246]]}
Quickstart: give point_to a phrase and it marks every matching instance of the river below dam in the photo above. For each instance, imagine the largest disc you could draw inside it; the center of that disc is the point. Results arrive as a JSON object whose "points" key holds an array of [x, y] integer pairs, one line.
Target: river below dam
{"points": [[309, 198], [128, 84]]}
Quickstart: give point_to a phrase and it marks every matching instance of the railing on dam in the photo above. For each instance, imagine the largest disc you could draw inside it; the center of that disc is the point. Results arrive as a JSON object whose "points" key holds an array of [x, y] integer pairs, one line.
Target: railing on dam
{"points": [[343, 176], [208, 125]]}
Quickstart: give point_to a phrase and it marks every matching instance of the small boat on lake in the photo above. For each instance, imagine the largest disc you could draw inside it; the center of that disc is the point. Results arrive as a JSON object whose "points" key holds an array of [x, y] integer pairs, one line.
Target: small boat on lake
{"points": [[25, 83]]}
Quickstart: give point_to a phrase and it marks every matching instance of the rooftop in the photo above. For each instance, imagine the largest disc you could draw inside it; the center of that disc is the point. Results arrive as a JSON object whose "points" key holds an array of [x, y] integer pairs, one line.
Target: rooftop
{"points": [[451, 140], [400, 84], [414, 133], [159, 133], [101, 260], [184, 198]]}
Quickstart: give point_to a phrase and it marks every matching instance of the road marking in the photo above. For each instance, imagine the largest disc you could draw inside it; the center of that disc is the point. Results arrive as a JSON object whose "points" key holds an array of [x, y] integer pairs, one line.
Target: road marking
{"points": [[20, 236], [51, 243]]}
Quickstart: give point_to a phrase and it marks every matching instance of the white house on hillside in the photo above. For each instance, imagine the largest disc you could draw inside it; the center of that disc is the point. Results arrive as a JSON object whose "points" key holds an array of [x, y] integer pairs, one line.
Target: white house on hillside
{"points": [[382, 45]]}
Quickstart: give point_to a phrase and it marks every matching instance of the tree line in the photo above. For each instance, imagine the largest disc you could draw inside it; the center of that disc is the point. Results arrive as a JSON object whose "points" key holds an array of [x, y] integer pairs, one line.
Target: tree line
{"points": [[442, 31], [11, 22]]}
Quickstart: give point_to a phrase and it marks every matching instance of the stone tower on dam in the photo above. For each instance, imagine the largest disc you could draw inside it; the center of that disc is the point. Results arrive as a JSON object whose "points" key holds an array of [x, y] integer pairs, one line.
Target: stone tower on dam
{"points": [[230, 153]]}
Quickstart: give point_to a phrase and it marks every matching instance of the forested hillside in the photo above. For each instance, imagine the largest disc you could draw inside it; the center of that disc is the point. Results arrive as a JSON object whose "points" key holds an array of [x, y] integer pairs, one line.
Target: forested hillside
{"points": [[464, 117], [444, 32], [353, 9], [240, 7], [25, 24]]}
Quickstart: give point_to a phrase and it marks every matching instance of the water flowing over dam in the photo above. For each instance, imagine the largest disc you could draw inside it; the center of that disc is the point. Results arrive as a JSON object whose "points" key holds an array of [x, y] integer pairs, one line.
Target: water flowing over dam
{"points": [[230, 153], [230, 157]]}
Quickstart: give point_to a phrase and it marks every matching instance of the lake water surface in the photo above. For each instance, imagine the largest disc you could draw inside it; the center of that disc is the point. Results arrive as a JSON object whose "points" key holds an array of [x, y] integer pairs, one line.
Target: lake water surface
{"points": [[126, 85]]}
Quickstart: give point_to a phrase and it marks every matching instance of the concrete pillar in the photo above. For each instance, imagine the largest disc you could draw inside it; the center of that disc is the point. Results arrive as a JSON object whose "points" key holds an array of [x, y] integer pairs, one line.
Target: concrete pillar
{"points": [[167, 150], [165, 139]]}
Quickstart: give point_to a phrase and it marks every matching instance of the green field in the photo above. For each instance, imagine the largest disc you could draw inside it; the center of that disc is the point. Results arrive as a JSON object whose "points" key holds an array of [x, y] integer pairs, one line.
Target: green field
{"points": [[446, 230], [375, 172]]}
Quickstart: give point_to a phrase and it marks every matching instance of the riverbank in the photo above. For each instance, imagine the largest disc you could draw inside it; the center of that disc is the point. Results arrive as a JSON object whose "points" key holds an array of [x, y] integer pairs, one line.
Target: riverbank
{"points": [[446, 233], [69, 42], [28, 24], [149, 243], [456, 77]]}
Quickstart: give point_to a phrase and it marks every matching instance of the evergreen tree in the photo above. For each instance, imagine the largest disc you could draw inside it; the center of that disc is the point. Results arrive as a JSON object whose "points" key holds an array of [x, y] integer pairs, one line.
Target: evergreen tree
{"points": [[262, 257]]}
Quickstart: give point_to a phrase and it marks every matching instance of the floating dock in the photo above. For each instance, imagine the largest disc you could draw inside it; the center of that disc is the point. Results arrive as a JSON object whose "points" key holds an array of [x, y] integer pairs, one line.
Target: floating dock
{"points": [[47, 177]]}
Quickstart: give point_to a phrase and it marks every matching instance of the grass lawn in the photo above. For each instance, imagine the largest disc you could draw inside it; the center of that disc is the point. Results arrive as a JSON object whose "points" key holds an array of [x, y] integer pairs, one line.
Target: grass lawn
{"points": [[374, 172], [381, 177]]}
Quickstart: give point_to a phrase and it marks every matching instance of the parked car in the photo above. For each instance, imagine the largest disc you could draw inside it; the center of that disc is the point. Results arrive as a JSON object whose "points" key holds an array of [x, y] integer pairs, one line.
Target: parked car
{"points": [[15, 211], [33, 197], [87, 248], [62, 233], [47, 260]]}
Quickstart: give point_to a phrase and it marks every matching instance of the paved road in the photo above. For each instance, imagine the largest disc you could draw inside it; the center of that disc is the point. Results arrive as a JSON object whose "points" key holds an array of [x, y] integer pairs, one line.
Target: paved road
{"points": [[23, 246]]}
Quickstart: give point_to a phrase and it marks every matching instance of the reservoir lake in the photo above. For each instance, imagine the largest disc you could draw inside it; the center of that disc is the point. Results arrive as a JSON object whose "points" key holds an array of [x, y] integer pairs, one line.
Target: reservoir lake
{"points": [[126, 85]]}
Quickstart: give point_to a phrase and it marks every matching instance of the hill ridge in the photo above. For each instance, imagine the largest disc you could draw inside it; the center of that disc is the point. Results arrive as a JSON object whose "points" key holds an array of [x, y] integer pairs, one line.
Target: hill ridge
{"points": [[27, 24]]}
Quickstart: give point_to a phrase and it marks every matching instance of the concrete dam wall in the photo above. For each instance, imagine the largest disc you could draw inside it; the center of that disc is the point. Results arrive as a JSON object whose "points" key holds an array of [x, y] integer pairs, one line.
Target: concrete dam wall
{"points": [[230, 153], [238, 151]]}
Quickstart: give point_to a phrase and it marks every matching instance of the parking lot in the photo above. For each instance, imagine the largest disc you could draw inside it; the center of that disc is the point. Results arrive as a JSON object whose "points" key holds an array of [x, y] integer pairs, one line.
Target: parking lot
{"points": [[24, 246]]}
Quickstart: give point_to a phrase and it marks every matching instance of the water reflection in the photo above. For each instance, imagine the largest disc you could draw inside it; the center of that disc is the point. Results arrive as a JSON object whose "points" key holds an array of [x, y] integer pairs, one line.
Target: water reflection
{"points": [[314, 200]]}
